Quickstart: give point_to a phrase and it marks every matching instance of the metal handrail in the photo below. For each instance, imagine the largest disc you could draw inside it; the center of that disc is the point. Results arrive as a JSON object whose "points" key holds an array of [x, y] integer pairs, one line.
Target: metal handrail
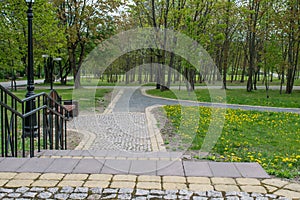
{"points": [[50, 115]]}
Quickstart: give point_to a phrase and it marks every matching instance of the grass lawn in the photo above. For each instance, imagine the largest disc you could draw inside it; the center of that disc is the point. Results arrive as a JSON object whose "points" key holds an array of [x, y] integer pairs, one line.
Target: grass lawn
{"points": [[239, 96], [89, 99], [269, 138]]}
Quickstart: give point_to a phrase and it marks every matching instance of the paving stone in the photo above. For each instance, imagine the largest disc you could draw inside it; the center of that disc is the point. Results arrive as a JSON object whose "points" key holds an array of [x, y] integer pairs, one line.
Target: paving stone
{"points": [[293, 186], [96, 190], [62, 165], [2, 195], [231, 193], [27, 176], [261, 198], [200, 187], [110, 191], [77, 177], [145, 167], [232, 198], [110, 196], [275, 182], [3, 182], [147, 178], [18, 183], [199, 198], [223, 181], [70, 183], [154, 197], [201, 169], [183, 197], [170, 196], [37, 189], [6, 190], [22, 189], [141, 192], [247, 198], [13, 163], [226, 188], [171, 191], [200, 180], [116, 167], [287, 193], [44, 195], [140, 198], [271, 196], [101, 177], [124, 196], [200, 193], [252, 188], [149, 185], [251, 170], [254, 194], [174, 186], [243, 194], [217, 169], [7, 175], [81, 189], [30, 194], [78, 195], [247, 181], [170, 168], [283, 198], [131, 178], [94, 196], [53, 189], [122, 184], [125, 191], [157, 192], [174, 179], [14, 195], [214, 194], [45, 183], [66, 189], [36, 165], [62, 196], [51, 176], [92, 184], [270, 189]]}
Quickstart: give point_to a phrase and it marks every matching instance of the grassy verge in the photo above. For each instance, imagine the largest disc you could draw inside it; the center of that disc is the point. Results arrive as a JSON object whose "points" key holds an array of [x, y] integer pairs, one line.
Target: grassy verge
{"points": [[239, 96], [269, 138]]}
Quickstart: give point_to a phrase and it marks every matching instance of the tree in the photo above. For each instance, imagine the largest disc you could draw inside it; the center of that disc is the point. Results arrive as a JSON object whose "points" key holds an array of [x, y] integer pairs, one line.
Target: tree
{"points": [[85, 21]]}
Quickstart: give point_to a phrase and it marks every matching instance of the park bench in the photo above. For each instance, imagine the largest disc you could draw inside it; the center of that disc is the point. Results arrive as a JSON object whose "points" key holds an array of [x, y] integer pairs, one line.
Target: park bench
{"points": [[70, 105]]}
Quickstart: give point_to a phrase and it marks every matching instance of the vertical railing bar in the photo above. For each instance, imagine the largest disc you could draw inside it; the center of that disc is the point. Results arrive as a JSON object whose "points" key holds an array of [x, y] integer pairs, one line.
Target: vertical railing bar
{"points": [[23, 131], [66, 132], [56, 127], [44, 123], [5, 126], [61, 132], [12, 142], [51, 130], [16, 129], [2, 126], [39, 125]]}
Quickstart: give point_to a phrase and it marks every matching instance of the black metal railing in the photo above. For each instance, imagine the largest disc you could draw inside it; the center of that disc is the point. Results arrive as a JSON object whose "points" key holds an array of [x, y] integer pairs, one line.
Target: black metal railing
{"points": [[47, 123]]}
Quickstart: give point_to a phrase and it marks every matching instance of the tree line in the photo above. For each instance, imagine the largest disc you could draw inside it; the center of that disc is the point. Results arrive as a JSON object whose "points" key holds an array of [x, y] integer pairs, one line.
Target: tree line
{"points": [[245, 38]]}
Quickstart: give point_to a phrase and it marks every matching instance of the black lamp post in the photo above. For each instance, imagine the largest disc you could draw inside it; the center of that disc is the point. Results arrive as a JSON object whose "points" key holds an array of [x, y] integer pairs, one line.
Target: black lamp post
{"points": [[30, 121]]}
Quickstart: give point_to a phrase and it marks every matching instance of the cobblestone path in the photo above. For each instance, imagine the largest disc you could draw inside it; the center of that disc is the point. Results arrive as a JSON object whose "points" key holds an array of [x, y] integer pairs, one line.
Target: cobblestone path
{"points": [[116, 131]]}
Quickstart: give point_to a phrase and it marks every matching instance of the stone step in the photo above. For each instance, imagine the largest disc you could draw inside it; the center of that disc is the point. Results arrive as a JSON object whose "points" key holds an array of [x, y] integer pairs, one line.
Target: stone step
{"points": [[117, 162], [110, 154]]}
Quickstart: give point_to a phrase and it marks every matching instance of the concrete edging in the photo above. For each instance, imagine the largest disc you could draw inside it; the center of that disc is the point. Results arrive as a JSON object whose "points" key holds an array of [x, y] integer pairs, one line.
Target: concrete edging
{"points": [[157, 142]]}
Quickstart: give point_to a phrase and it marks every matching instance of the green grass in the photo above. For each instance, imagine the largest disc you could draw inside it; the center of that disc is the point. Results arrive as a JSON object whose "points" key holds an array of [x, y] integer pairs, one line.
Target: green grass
{"points": [[237, 96], [269, 138]]}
